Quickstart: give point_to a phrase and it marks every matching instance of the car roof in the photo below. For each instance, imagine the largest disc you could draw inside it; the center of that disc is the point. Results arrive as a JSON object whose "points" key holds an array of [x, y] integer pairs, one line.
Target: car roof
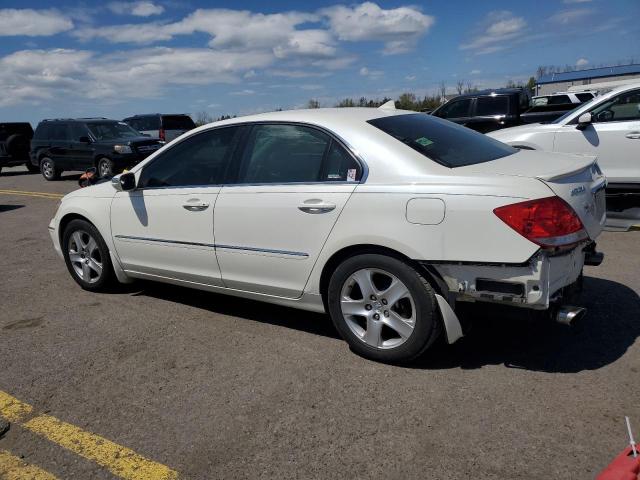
{"points": [[158, 115], [490, 91], [83, 120]]}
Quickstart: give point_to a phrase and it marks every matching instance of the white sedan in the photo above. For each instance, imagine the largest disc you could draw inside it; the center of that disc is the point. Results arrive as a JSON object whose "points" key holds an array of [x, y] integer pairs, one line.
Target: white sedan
{"points": [[387, 220]]}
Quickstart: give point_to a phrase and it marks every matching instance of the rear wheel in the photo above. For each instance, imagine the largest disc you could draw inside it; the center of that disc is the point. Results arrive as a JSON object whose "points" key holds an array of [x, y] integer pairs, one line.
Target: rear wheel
{"points": [[383, 308], [49, 170], [87, 256]]}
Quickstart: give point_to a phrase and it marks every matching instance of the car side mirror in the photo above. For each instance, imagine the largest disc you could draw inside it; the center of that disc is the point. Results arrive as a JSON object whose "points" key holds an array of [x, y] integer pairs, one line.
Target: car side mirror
{"points": [[124, 182], [84, 139], [584, 121]]}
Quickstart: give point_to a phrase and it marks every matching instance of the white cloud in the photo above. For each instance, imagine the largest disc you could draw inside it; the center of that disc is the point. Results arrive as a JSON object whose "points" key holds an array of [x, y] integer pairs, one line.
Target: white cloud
{"points": [[497, 31], [243, 92], [475, 72], [576, 1], [582, 62], [365, 72], [399, 28], [138, 9], [566, 17], [32, 23], [34, 75], [410, 78]]}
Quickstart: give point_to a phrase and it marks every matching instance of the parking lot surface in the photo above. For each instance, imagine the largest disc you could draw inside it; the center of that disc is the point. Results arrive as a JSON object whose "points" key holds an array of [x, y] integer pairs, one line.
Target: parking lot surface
{"points": [[157, 381]]}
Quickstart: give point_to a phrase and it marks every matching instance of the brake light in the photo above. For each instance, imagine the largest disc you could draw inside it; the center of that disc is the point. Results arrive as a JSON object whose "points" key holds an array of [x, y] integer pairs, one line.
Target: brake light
{"points": [[161, 134], [549, 222]]}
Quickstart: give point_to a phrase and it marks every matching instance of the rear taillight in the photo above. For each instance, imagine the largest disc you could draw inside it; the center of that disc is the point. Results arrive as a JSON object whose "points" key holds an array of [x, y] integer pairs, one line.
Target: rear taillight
{"points": [[161, 134], [549, 222]]}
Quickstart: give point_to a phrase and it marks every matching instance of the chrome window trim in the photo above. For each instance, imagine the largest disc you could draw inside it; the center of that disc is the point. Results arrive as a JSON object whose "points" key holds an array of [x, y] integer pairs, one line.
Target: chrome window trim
{"points": [[215, 246]]}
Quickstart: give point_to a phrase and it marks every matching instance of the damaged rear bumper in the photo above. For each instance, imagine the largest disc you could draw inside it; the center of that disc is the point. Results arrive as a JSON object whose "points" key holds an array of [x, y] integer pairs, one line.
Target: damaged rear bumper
{"points": [[545, 282]]}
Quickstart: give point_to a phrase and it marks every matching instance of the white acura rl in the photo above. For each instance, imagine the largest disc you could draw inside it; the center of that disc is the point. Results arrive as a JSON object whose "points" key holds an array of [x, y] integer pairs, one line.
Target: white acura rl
{"points": [[388, 220]]}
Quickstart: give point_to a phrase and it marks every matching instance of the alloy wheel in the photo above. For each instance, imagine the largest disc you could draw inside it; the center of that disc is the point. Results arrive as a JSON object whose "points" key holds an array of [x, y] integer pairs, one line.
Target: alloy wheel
{"points": [[378, 308], [85, 257], [105, 168], [47, 168]]}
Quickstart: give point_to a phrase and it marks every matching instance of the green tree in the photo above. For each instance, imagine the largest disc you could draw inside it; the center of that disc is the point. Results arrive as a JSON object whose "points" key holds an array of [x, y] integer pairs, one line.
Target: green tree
{"points": [[313, 104]]}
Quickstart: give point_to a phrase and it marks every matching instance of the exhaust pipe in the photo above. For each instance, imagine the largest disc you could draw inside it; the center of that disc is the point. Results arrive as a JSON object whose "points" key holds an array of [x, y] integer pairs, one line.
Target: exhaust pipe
{"points": [[569, 315]]}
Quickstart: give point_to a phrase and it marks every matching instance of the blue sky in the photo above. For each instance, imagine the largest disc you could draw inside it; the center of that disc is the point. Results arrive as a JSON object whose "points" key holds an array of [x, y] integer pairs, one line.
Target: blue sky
{"points": [[117, 58]]}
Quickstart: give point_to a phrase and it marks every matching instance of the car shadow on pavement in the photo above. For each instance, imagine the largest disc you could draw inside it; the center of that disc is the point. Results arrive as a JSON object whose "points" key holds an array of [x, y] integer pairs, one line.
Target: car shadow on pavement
{"points": [[309, 322], [609, 329]]}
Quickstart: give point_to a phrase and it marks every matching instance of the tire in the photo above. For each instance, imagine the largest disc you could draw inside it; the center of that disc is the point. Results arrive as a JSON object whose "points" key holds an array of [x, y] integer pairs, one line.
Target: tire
{"points": [[87, 256], [105, 167], [32, 168], [403, 330], [49, 170]]}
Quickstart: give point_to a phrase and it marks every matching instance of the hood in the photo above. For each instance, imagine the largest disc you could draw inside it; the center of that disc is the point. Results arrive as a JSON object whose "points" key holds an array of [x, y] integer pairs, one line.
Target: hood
{"points": [[128, 141], [507, 134]]}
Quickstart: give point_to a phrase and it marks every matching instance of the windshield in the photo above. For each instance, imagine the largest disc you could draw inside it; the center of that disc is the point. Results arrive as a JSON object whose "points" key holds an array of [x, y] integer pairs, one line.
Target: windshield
{"points": [[442, 141], [112, 130]]}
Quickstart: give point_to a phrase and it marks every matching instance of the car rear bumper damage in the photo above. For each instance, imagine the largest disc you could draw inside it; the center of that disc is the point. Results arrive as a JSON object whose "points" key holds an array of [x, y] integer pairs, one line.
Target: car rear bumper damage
{"points": [[549, 284]]}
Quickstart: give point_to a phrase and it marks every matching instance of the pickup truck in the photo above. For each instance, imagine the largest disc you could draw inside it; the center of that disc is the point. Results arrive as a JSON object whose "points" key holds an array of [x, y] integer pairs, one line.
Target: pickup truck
{"points": [[490, 110], [15, 139]]}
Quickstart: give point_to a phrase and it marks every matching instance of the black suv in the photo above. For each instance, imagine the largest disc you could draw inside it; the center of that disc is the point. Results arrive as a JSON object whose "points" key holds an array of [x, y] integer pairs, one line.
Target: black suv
{"points": [[14, 145], [79, 144]]}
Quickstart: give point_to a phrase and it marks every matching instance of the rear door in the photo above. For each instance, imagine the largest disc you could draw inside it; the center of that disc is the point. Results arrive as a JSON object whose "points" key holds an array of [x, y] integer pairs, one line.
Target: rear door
{"points": [[489, 113], [176, 125], [291, 184], [457, 111], [613, 135], [59, 138]]}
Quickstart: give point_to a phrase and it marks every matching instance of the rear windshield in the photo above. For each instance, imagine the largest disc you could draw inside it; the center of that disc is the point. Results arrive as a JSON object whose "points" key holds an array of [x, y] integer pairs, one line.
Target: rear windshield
{"points": [[177, 122], [442, 141]]}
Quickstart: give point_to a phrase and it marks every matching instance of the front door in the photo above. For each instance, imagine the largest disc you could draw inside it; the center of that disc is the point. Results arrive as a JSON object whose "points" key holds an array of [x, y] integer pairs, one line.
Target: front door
{"points": [[164, 227], [291, 185], [613, 135]]}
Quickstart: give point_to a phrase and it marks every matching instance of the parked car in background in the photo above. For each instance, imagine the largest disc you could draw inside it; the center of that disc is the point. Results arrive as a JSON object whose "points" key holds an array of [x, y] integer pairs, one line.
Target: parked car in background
{"points": [[372, 215], [166, 127], [562, 98], [78, 144], [608, 126], [15, 138], [490, 110]]}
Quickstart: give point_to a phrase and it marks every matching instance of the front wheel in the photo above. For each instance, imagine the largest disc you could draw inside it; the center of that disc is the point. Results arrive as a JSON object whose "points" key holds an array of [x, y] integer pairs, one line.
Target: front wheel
{"points": [[87, 256], [383, 307], [105, 167], [49, 170]]}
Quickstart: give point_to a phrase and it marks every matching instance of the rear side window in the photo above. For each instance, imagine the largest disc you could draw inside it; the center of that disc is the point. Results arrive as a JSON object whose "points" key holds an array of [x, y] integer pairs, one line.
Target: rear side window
{"points": [[198, 160], [559, 99], [443, 142], [487, 106], [455, 109], [584, 97], [59, 131], [284, 154], [340, 166], [177, 122], [145, 123], [42, 131]]}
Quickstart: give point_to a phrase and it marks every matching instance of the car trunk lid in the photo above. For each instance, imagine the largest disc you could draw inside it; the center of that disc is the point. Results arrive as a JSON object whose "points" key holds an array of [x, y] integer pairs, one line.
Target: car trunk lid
{"points": [[576, 179]]}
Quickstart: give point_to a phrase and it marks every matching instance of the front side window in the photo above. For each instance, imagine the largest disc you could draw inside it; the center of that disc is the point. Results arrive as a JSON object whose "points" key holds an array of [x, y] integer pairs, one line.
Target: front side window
{"points": [[283, 154], [198, 160], [444, 142], [490, 106], [112, 130], [625, 106], [78, 130], [455, 109]]}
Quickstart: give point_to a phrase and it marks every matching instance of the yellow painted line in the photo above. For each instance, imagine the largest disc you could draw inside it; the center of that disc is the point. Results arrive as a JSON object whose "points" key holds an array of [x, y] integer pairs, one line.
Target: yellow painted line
{"points": [[13, 468], [31, 194], [13, 409], [121, 461]]}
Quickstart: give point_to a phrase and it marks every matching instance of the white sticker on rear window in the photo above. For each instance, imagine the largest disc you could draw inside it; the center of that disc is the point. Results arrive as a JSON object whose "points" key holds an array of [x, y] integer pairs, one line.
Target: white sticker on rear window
{"points": [[351, 175]]}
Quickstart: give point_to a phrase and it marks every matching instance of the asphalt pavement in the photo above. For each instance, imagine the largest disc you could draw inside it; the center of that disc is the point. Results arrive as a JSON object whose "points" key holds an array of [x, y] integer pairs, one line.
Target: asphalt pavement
{"points": [[158, 381]]}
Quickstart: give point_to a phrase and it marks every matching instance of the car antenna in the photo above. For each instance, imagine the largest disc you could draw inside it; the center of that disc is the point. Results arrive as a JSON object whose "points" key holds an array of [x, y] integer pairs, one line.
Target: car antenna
{"points": [[390, 105], [632, 442]]}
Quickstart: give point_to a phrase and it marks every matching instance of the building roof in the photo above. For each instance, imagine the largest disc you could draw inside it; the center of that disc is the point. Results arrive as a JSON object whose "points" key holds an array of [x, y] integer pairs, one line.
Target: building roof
{"points": [[589, 73]]}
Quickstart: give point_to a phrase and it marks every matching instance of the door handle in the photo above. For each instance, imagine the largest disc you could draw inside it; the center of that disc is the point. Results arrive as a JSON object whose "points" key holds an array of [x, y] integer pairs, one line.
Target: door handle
{"points": [[315, 206], [633, 135], [195, 206]]}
